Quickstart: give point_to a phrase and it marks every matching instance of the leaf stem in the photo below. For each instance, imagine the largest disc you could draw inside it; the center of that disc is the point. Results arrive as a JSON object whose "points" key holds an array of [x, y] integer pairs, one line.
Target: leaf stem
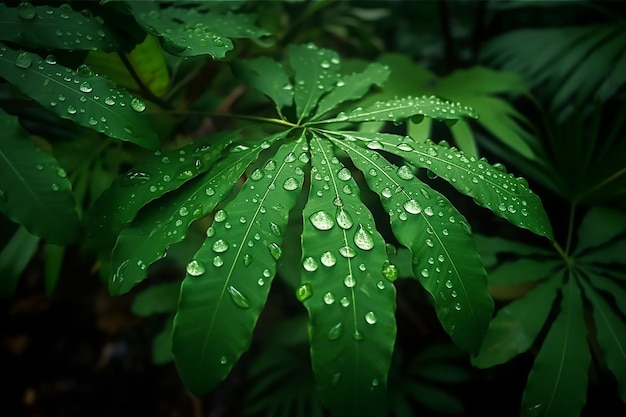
{"points": [[255, 118], [570, 228]]}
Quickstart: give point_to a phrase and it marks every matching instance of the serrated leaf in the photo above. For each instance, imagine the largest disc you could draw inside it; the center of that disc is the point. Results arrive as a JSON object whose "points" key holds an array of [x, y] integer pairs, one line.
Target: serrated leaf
{"points": [[344, 288], [444, 259], [515, 327], [557, 383], [399, 110], [166, 221], [504, 194], [315, 73], [599, 226], [158, 174], [611, 334], [227, 283], [83, 97], [55, 28], [523, 270], [352, 87], [157, 299], [34, 189], [268, 77], [191, 31], [14, 257]]}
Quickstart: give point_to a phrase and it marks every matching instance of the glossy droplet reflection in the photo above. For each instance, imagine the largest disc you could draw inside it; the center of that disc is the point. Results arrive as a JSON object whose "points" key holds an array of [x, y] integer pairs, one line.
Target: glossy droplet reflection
{"points": [[238, 298], [304, 292], [363, 239], [322, 220], [195, 268]]}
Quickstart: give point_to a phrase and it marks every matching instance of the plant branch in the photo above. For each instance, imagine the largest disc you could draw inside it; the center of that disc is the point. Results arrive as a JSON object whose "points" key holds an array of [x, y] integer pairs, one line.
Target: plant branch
{"points": [[570, 228]]}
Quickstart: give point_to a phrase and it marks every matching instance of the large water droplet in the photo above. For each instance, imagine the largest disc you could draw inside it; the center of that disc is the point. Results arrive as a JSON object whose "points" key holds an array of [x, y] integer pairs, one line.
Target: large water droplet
{"points": [[195, 268], [85, 87], [137, 105], [335, 332], [344, 174], [135, 178], [309, 264], [290, 184], [322, 220], [345, 302], [26, 10], [412, 207], [425, 273], [390, 271], [370, 317], [343, 219], [275, 250], [304, 292], [24, 60], [349, 281], [363, 239], [347, 252], [374, 145], [220, 216], [405, 172], [329, 298], [238, 298], [219, 246], [218, 261], [328, 259]]}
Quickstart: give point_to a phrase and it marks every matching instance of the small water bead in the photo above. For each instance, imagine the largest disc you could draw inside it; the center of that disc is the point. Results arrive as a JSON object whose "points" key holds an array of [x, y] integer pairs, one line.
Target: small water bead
{"points": [[238, 298], [55, 186], [441, 258], [445, 232], [210, 232], [457, 307], [363, 239], [275, 229], [270, 165], [304, 292], [24, 60], [137, 105], [219, 246], [335, 332], [362, 267], [380, 285], [347, 252], [220, 216], [39, 167], [109, 101], [61, 173], [328, 259], [329, 298], [343, 219], [322, 220], [429, 211], [195, 268], [448, 284], [405, 147], [425, 273], [290, 184], [374, 145], [345, 302], [405, 172], [390, 271], [275, 250], [85, 87], [51, 59], [370, 317], [386, 192], [412, 206], [85, 71], [349, 281]]}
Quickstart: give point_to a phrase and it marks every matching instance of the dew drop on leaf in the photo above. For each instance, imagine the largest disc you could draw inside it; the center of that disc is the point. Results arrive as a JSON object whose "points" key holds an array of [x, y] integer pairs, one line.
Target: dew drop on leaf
{"points": [[24, 60], [304, 292], [328, 259], [343, 219], [344, 174], [84, 71], [218, 261], [335, 332], [380, 285], [362, 239], [275, 250], [220, 216], [457, 307], [370, 317], [26, 10], [238, 298], [137, 105], [412, 206], [374, 145], [247, 259], [290, 184], [347, 252], [276, 230], [195, 268], [405, 172], [425, 273], [329, 298], [429, 211], [309, 264], [349, 281], [85, 87], [219, 246], [344, 302], [321, 220], [448, 284], [390, 271], [55, 186], [270, 165]]}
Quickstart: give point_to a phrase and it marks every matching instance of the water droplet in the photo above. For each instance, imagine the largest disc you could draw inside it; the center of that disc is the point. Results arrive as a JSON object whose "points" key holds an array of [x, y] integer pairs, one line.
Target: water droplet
{"points": [[195, 268], [247, 259], [344, 174], [349, 281], [363, 239], [457, 307], [329, 298], [343, 219], [26, 10], [344, 302], [405, 147], [275, 250], [24, 60], [374, 145], [276, 230], [137, 105], [448, 284], [309, 264], [270, 165], [304, 292], [347, 252], [219, 246], [425, 273], [51, 59], [220, 216], [109, 101], [328, 259], [405, 172], [61, 173], [390, 271], [85, 87], [500, 167], [429, 211], [322, 220], [257, 174], [238, 298], [290, 184], [412, 206], [218, 261], [335, 332], [223, 360], [380, 285], [370, 317]]}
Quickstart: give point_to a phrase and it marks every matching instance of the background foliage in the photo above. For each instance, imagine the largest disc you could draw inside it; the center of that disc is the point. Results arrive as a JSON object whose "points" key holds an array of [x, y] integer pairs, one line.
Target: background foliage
{"points": [[148, 140]]}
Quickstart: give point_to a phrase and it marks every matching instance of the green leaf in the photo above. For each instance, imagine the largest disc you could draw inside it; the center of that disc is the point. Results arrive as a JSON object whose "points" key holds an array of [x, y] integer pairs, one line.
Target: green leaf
{"points": [[444, 259], [353, 86], [516, 325], [81, 96], [158, 174], [34, 189], [166, 221], [490, 247], [608, 254], [600, 279], [162, 344], [14, 258], [557, 383], [398, 110], [52, 265], [55, 28], [611, 334], [434, 398], [268, 77], [598, 227], [157, 299], [191, 31], [523, 270], [227, 283], [504, 194], [350, 303], [315, 73]]}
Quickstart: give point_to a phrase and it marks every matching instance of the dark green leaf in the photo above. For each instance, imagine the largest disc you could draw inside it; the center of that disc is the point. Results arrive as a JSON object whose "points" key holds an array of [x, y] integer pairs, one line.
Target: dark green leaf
{"points": [[515, 327], [228, 281], [82, 96], [444, 259], [346, 289], [34, 189], [55, 28], [608, 254], [490, 247], [162, 344], [523, 270], [557, 383], [434, 398], [14, 258], [267, 76], [600, 279], [599, 226], [53, 262], [157, 299]]}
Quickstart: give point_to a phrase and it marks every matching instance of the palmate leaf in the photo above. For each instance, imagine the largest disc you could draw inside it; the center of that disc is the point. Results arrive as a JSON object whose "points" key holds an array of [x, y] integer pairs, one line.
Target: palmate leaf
{"points": [[81, 96], [598, 227], [267, 76], [55, 28], [166, 221], [157, 175], [438, 236], [346, 289], [557, 383], [34, 190], [227, 283]]}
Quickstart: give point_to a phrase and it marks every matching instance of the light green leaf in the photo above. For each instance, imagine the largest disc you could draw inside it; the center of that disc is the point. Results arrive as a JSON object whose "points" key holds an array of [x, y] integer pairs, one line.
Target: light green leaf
{"points": [[191, 31], [505, 195], [523, 270], [14, 258], [268, 77], [516, 325], [228, 280], [344, 288], [81, 96], [557, 383], [352, 87], [611, 333], [55, 28], [598, 227], [34, 189], [444, 259], [157, 299], [166, 221], [158, 174], [315, 73], [399, 110]]}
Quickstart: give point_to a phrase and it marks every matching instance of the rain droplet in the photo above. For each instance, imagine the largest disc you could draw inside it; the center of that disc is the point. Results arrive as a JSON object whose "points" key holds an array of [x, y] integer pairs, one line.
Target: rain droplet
{"points": [[347, 252], [61, 173], [238, 298], [220, 216], [51, 59], [85, 87], [304, 292], [370, 317], [218, 261], [276, 230], [109, 101], [137, 105], [210, 232], [290, 184], [329, 298], [24, 60], [343, 219], [457, 307], [429, 211], [247, 259], [219, 246], [84, 71], [380, 285], [195, 268], [257, 174], [270, 165], [425, 273], [344, 174], [328, 259], [405, 172], [412, 206], [349, 281], [363, 239], [344, 302], [26, 10], [223, 360], [309, 264], [335, 332], [374, 145], [275, 250], [322, 220], [390, 271]]}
